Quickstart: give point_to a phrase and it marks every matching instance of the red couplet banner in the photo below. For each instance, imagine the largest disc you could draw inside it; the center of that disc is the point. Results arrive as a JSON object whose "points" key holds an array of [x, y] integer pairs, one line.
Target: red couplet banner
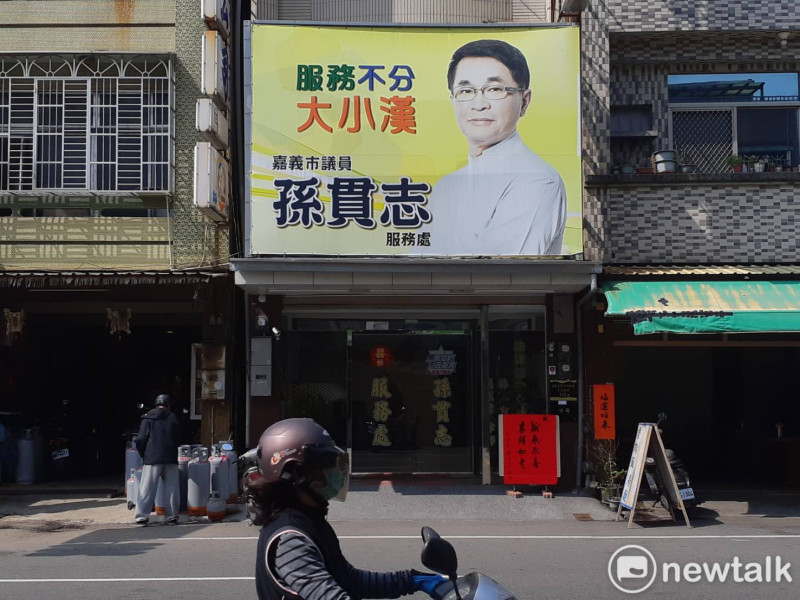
{"points": [[530, 449], [605, 422]]}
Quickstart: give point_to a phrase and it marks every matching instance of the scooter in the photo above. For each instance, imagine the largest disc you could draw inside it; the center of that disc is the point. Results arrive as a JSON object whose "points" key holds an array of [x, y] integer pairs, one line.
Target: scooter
{"points": [[251, 473], [657, 487], [439, 556]]}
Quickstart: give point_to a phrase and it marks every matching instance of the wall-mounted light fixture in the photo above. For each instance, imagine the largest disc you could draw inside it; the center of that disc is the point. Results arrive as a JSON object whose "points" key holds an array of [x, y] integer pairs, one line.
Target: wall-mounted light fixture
{"points": [[783, 37], [119, 321], [15, 322]]}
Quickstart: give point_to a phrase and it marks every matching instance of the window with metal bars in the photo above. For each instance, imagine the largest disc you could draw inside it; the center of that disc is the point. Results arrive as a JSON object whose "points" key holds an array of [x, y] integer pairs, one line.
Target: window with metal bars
{"points": [[753, 116], [76, 129], [707, 137]]}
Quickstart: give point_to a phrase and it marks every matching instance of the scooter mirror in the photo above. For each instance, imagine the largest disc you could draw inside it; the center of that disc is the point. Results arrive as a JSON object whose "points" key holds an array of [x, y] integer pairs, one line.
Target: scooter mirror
{"points": [[437, 554], [662, 416], [428, 533]]}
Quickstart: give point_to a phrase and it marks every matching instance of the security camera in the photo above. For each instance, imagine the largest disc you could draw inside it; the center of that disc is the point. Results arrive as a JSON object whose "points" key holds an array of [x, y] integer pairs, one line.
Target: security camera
{"points": [[276, 332]]}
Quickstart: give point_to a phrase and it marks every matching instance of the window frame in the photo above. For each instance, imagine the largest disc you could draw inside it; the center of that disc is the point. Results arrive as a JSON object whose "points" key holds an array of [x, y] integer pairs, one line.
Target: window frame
{"points": [[733, 108], [26, 157]]}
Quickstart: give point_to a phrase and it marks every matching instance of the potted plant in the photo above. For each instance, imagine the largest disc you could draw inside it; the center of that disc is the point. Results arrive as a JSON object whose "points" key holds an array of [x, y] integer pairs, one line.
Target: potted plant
{"points": [[611, 478], [754, 163], [735, 162], [611, 487]]}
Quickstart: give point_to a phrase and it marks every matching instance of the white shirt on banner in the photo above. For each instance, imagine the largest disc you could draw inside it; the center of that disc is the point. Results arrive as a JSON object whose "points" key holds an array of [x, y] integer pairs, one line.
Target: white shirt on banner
{"points": [[507, 201]]}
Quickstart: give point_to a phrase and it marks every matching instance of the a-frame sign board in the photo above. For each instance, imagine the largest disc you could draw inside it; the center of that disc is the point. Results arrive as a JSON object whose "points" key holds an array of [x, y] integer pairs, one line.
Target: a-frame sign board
{"points": [[648, 442]]}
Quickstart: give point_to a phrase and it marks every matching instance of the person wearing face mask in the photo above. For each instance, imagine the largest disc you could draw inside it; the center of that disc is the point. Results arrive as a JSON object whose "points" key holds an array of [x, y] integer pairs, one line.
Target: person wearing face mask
{"points": [[506, 200], [301, 469]]}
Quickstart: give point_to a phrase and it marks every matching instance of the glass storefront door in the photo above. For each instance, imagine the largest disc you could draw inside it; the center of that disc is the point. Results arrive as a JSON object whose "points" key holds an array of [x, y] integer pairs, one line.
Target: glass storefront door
{"points": [[314, 379], [517, 370], [411, 402]]}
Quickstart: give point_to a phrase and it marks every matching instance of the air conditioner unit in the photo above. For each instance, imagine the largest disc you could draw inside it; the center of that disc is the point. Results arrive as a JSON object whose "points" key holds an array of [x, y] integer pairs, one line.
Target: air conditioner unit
{"points": [[215, 78], [212, 124], [217, 15], [211, 182]]}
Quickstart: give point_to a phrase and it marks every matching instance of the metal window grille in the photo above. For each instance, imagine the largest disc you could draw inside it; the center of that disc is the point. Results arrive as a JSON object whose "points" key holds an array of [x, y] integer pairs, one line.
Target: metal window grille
{"points": [[98, 124], [704, 138], [5, 109]]}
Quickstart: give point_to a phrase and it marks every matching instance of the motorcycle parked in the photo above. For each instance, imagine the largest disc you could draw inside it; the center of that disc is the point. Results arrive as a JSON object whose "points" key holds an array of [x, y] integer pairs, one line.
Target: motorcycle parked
{"points": [[61, 463], [656, 487], [250, 462], [439, 556]]}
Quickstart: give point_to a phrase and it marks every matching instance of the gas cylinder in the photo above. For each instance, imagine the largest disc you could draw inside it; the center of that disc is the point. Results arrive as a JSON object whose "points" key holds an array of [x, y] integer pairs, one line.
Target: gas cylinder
{"points": [[220, 471], [184, 456], [198, 486], [233, 481], [26, 457], [137, 484], [215, 509], [161, 501], [130, 489], [132, 458]]}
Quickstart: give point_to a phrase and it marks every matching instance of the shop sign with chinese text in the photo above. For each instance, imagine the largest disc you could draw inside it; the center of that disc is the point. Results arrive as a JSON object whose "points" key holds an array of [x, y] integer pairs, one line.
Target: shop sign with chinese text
{"points": [[605, 421], [360, 144], [530, 449]]}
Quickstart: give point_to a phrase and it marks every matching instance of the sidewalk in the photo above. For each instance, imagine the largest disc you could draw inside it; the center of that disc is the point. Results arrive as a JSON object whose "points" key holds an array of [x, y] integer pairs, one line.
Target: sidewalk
{"points": [[47, 507], [96, 504]]}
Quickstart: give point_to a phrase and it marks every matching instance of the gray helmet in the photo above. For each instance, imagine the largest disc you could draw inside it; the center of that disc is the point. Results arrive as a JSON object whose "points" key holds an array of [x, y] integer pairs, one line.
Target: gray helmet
{"points": [[162, 400], [303, 452]]}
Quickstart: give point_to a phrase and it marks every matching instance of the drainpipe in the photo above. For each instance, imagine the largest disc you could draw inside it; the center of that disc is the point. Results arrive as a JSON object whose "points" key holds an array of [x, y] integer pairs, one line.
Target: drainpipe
{"points": [[581, 380]]}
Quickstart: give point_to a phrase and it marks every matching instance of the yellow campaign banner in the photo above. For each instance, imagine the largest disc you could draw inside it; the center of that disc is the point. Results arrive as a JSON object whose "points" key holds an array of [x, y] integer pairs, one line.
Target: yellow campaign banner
{"points": [[415, 141]]}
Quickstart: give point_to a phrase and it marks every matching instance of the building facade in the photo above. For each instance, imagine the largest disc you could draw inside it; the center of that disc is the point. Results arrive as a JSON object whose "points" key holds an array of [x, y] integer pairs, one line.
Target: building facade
{"points": [[674, 97], [710, 251], [111, 280], [350, 339]]}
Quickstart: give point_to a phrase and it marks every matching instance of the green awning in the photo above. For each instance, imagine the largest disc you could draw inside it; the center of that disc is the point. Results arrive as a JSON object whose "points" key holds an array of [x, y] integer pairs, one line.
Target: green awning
{"points": [[706, 306]]}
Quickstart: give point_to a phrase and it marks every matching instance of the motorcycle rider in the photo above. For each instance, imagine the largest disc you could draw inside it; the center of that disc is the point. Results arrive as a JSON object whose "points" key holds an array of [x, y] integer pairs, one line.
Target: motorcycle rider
{"points": [[300, 470]]}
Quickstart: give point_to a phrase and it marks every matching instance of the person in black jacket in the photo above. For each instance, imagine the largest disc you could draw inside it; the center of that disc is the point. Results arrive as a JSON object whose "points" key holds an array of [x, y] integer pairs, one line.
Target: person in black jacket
{"points": [[157, 442], [299, 557]]}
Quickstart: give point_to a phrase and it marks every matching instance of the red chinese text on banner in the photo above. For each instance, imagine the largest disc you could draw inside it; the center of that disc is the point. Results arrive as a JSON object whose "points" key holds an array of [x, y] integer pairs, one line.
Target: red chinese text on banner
{"points": [[605, 423], [380, 356], [530, 449]]}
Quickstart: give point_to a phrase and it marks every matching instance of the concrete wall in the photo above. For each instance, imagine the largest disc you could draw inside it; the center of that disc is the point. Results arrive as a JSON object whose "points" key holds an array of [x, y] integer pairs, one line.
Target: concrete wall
{"points": [[699, 15], [722, 223], [406, 11], [187, 238], [88, 26], [628, 53], [196, 240]]}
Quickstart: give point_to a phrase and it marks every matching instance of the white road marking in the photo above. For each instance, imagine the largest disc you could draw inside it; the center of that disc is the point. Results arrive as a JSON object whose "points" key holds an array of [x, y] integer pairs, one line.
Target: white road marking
{"points": [[377, 538]]}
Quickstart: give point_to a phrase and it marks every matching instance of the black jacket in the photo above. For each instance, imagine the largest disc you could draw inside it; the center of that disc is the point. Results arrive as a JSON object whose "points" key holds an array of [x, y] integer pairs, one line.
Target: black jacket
{"points": [[159, 437], [357, 584]]}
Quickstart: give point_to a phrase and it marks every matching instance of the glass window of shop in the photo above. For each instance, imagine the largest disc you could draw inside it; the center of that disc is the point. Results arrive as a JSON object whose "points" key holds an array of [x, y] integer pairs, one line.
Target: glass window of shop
{"points": [[404, 394], [399, 392], [412, 402], [517, 368], [313, 378]]}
